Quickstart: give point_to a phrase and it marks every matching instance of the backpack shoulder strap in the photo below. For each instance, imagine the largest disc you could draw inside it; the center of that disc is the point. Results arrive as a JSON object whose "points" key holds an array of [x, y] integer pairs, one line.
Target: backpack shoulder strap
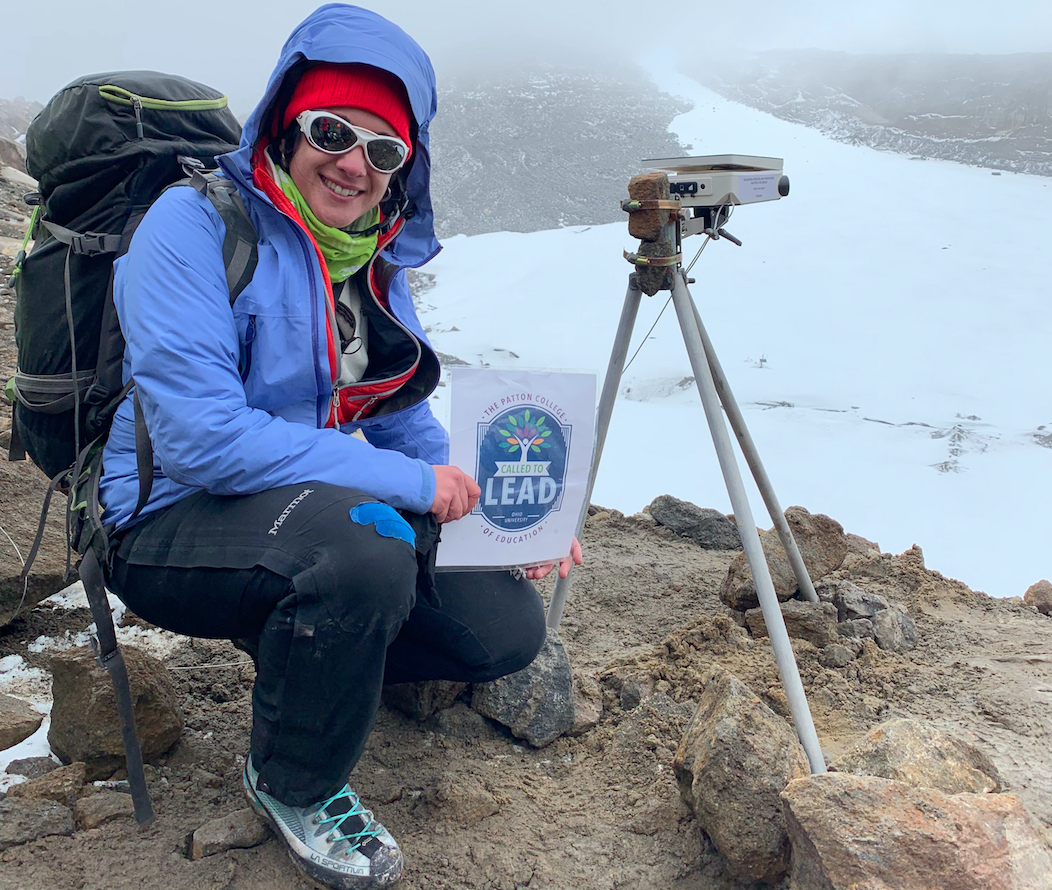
{"points": [[240, 258], [240, 251]]}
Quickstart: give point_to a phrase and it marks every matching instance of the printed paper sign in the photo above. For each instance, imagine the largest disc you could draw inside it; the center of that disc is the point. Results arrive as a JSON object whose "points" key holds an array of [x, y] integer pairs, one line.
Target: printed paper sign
{"points": [[526, 437]]}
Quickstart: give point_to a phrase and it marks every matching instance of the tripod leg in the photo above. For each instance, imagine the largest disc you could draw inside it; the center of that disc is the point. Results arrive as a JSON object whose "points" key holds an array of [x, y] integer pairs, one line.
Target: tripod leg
{"points": [[772, 613], [611, 384], [752, 458]]}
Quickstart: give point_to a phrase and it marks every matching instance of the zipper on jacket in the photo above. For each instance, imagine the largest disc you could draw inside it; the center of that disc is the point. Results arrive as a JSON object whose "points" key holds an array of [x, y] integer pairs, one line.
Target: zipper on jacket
{"points": [[391, 316], [370, 404], [246, 353], [311, 261], [310, 258]]}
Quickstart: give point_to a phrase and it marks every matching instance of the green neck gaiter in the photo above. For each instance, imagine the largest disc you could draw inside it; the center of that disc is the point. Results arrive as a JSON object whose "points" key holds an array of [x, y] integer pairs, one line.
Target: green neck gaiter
{"points": [[345, 252]]}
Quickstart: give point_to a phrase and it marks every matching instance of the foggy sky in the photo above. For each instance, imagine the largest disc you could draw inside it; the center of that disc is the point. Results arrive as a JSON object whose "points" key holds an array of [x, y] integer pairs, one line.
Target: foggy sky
{"points": [[44, 48]]}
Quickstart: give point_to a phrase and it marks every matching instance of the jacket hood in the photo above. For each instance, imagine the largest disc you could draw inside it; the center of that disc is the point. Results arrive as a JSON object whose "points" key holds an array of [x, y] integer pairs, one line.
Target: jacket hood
{"points": [[340, 33]]}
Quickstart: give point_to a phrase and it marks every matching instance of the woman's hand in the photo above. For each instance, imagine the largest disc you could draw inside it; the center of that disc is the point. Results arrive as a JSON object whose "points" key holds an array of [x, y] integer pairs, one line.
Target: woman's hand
{"points": [[456, 493], [575, 558]]}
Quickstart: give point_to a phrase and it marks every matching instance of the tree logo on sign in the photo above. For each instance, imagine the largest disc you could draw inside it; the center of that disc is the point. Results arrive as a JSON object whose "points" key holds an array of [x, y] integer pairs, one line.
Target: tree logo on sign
{"points": [[522, 468]]}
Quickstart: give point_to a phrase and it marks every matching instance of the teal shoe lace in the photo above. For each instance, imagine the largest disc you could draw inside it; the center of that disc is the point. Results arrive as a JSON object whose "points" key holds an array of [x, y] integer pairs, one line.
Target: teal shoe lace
{"points": [[355, 812]]}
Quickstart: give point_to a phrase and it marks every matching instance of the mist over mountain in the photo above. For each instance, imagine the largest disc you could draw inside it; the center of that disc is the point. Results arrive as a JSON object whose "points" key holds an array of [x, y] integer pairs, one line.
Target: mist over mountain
{"points": [[985, 110], [522, 151]]}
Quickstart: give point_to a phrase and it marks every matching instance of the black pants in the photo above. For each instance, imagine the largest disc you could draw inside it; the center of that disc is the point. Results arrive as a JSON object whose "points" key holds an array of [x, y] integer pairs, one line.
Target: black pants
{"points": [[325, 582]]}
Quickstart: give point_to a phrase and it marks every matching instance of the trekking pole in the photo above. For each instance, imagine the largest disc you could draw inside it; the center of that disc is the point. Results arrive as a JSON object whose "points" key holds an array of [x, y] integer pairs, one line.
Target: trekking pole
{"points": [[109, 656]]}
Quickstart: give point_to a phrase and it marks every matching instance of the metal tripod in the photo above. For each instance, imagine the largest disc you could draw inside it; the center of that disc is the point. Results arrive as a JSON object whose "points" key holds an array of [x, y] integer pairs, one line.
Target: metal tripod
{"points": [[713, 388]]}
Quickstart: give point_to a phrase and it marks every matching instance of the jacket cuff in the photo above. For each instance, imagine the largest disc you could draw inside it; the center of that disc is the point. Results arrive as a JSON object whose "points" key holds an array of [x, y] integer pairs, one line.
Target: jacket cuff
{"points": [[427, 486]]}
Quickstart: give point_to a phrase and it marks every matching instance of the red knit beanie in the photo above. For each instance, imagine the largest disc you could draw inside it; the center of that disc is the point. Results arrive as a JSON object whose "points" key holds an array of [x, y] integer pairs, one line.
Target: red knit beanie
{"points": [[328, 85]]}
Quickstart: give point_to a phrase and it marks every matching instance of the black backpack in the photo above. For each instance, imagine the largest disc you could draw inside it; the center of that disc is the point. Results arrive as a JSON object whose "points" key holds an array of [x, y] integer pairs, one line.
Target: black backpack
{"points": [[103, 149]]}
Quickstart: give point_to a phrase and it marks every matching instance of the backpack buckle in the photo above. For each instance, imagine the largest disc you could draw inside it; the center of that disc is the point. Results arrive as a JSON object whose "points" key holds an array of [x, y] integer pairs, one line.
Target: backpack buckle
{"points": [[94, 243]]}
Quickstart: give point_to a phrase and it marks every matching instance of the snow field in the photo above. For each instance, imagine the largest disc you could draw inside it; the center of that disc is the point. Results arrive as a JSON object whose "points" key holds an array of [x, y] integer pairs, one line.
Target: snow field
{"points": [[899, 307]]}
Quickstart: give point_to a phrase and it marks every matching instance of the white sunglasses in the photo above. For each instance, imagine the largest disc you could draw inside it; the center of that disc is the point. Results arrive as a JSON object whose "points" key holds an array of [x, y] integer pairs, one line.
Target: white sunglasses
{"points": [[333, 135]]}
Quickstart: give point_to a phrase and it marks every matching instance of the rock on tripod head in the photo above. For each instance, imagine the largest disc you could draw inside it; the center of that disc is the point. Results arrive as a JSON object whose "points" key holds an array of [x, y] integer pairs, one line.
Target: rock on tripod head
{"points": [[691, 196]]}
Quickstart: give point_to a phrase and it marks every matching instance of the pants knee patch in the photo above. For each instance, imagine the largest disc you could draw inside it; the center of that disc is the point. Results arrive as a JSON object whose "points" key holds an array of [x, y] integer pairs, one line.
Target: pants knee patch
{"points": [[385, 519]]}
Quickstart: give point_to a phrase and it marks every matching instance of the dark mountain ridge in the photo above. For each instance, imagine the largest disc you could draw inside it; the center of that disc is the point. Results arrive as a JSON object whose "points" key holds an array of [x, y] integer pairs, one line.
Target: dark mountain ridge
{"points": [[543, 148], [986, 110]]}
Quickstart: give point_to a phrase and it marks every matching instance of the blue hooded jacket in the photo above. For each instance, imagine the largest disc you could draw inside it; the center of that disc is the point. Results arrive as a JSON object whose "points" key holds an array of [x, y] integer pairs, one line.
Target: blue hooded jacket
{"points": [[209, 428]]}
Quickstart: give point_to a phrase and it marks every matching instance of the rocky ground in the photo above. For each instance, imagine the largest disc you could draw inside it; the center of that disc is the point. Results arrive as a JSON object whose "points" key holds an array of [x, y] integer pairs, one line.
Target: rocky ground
{"points": [[476, 808]]}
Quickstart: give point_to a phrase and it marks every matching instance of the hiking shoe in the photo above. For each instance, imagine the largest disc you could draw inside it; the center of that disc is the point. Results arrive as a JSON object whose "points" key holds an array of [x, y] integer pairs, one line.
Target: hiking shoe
{"points": [[335, 841]]}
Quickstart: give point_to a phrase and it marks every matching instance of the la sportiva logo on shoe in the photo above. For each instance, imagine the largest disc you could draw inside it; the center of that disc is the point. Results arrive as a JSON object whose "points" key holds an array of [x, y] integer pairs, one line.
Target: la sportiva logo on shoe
{"points": [[522, 467]]}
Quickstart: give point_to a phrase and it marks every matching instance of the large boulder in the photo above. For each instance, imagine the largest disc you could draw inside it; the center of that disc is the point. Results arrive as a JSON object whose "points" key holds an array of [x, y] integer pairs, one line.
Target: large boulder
{"points": [[734, 760], [18, 721], [1039, 596], [918, 753], [852, 602], [536, 703], [709, 529], [12, 155], [822, 545], [84, 721], [864, 833], [814, 622], [894, 630]]}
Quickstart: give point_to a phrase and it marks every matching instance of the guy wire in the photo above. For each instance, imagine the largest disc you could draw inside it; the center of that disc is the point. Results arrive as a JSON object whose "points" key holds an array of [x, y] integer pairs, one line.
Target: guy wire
{"points": [[18, 552], [25, 585], [203, 667]]}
